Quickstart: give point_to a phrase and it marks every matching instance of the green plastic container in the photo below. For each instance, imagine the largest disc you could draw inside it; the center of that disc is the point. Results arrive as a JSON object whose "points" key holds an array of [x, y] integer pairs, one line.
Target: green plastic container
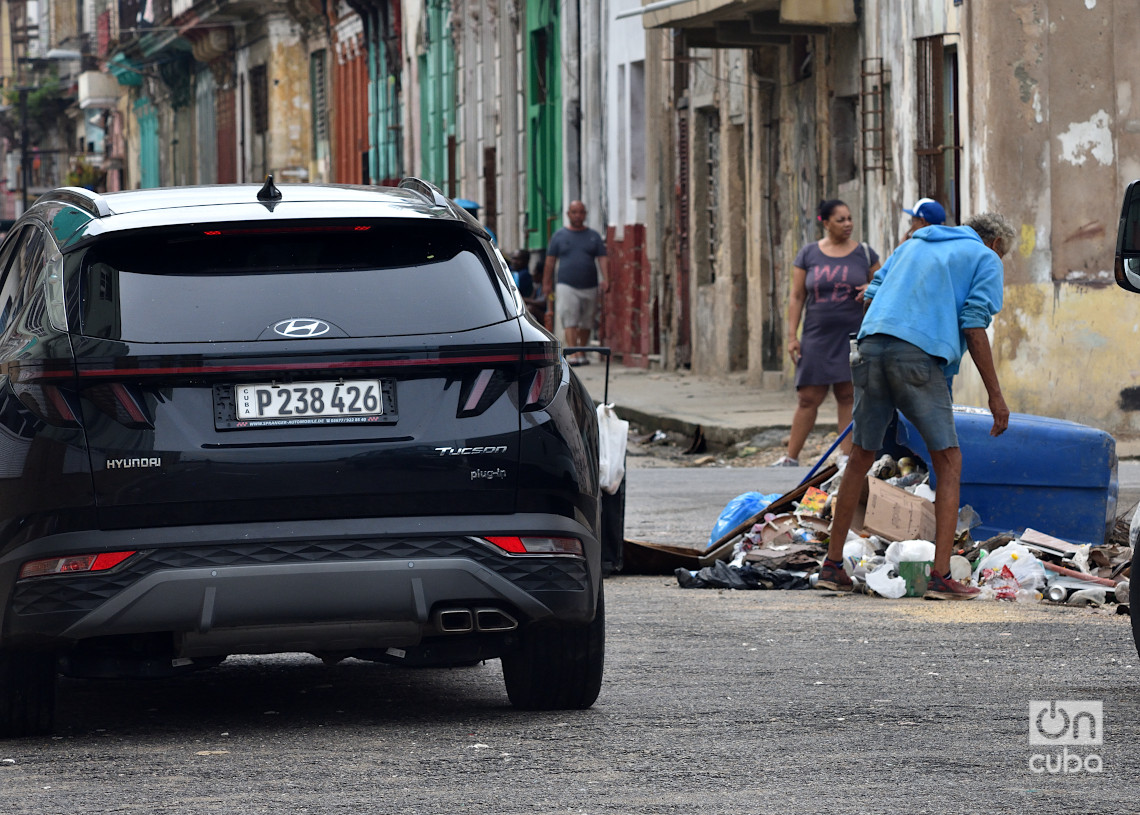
{"points": [[916, 573]]}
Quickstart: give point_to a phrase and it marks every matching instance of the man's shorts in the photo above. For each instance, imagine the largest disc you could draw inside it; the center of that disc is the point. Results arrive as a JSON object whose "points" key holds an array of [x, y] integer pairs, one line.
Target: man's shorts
{"points": [[575, 307], [895, 374]]}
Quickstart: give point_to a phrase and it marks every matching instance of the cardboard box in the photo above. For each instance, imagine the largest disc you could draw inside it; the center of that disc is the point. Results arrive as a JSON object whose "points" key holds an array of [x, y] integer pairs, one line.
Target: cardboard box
{"points": [[895, 514]]}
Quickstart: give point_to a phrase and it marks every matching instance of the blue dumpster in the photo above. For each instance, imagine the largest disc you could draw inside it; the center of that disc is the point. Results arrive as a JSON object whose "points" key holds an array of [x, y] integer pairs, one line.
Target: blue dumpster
{"points": [[1055, 476]]}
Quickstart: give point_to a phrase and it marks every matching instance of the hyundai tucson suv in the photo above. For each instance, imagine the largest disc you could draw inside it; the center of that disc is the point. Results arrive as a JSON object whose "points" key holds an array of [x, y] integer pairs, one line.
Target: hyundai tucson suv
{"points": [[243, 420]]}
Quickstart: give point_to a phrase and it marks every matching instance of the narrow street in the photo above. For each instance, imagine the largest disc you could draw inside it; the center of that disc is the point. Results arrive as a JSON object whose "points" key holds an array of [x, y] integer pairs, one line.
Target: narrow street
{"points": [[713, 702]]}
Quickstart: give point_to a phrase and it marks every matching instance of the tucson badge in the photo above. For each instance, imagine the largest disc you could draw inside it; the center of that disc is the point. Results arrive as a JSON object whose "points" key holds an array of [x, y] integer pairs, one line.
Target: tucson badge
{"points": [[301, 328]]}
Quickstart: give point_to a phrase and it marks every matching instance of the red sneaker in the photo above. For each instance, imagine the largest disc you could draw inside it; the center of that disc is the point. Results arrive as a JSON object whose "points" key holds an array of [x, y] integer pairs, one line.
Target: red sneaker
{"points": [[946, 588], [833, 578]]}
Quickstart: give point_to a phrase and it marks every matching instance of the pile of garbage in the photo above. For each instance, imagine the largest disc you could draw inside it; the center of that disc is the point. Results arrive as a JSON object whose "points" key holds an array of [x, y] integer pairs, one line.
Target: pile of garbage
{"points": [[785, 550]]}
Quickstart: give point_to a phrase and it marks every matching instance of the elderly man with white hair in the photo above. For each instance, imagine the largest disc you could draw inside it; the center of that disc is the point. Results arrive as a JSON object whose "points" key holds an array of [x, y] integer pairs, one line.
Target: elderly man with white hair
{"points": [[930, 302]]}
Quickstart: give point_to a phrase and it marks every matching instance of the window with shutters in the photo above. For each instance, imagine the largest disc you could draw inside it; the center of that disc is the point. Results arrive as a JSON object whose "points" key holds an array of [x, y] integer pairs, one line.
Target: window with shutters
{"points": [[938, 149], [320, 107]]}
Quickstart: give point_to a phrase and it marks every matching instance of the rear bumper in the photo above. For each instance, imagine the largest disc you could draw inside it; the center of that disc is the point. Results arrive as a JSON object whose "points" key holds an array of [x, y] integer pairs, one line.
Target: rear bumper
{"points": [[312, 585]]}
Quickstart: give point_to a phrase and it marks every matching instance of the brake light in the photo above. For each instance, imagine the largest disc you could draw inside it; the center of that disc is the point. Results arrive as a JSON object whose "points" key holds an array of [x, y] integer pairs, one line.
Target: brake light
{"points": [[72, 564], [292, 230], [536, 545]]}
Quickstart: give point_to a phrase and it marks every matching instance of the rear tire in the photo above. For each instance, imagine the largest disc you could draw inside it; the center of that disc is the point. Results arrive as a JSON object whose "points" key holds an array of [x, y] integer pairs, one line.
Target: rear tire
{"points": [[558, 667], [27, 693]]}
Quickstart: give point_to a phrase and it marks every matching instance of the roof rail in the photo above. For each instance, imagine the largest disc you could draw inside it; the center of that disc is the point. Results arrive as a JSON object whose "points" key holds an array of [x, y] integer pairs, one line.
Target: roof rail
{"points": [[434, 195], [81, 197], [425, 190]]}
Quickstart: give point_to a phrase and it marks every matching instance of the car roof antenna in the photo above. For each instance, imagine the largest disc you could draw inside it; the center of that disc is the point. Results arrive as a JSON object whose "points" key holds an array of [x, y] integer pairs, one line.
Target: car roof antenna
{"points": [[268, 191]]}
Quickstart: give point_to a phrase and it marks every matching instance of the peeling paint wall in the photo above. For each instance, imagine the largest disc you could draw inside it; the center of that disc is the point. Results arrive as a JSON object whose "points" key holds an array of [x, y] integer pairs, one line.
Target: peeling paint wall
{"points": [[1049, 134], [290, 133], [1063, 351], [1055, 129]]}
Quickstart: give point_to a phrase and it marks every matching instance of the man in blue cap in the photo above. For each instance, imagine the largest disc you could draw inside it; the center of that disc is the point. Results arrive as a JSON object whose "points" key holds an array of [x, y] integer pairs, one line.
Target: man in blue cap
{"points": [[925, 212], [930, 302]]}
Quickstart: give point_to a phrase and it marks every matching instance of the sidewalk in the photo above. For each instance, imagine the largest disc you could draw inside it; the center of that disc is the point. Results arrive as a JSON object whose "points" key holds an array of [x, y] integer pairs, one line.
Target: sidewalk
{"points": [[727, 409]]}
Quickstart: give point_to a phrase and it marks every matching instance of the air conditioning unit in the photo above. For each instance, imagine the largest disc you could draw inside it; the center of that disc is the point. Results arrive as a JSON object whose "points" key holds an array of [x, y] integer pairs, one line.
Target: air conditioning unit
{"points": [[97, 90]]}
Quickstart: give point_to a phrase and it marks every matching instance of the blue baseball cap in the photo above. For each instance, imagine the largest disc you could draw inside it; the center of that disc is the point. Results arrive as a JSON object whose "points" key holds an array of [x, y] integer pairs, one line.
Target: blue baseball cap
{"points": [[928, 210]]}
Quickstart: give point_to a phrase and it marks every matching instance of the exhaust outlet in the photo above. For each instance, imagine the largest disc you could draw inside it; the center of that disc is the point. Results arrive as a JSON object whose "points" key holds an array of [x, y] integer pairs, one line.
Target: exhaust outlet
{"points": [[455, 620], [493, 619]]}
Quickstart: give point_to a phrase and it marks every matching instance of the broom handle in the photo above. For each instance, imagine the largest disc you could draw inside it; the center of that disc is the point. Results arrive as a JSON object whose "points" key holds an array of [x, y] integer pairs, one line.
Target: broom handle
{"points": [[830, 450]]}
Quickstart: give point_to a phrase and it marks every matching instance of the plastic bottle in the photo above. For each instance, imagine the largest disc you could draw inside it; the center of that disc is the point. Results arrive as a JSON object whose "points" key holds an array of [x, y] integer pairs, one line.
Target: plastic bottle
{"points": [[1084, 597], [1027, 596], [855, 357]]}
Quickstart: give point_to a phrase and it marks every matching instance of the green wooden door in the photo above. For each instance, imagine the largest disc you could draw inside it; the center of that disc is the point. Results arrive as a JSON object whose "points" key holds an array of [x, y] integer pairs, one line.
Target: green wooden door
{"points": [[386, 101], [148, 143], [437, 94], [544, 122]]}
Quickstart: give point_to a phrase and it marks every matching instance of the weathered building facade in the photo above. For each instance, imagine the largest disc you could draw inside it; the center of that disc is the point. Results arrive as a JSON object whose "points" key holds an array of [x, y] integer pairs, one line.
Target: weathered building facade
{"points": [[1055, 137], [701, 134], [760, 108]]}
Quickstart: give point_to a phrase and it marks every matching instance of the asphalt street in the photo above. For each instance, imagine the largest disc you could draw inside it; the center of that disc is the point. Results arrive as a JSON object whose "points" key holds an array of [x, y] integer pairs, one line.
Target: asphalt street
{"points": [[713, 702]]}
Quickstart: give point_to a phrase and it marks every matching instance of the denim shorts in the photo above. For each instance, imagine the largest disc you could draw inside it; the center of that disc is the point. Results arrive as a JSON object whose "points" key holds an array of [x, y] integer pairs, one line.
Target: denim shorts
{"points": [[896, 375]]}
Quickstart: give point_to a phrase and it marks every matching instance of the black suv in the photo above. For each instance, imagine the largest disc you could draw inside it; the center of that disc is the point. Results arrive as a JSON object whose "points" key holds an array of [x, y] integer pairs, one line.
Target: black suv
{"points": [[302, 419]]}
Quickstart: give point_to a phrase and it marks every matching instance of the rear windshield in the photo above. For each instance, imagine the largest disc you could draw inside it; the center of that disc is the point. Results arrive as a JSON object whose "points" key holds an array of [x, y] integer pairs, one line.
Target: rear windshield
{"points": [[235, 282]]}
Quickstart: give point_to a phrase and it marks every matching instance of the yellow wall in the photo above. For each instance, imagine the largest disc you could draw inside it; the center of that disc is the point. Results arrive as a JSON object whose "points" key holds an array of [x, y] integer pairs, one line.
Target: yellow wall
{"points": [[1064, 351]]}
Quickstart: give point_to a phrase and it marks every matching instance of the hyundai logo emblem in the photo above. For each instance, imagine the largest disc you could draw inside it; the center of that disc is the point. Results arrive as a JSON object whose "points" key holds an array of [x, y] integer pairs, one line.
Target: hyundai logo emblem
{"points": [[302, 328]]}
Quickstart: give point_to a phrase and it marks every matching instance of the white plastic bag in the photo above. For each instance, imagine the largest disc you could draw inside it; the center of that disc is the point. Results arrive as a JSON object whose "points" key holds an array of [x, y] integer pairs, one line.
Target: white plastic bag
{"points": [[910, 551], [881, 582], [1024, 564], [613, 433]]}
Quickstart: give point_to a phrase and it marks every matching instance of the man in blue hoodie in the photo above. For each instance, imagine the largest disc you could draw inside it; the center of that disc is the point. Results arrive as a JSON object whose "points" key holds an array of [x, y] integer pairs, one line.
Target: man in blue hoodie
{"points": [[931, 301]]}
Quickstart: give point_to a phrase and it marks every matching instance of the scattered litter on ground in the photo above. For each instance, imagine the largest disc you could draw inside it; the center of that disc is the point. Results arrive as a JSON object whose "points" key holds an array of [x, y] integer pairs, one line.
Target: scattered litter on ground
{"points": [[768, 541]]}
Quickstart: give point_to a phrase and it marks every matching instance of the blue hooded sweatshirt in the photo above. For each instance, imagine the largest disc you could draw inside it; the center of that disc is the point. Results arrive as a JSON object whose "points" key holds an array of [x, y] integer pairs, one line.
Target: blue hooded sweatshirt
{"points": [[935, 285]]}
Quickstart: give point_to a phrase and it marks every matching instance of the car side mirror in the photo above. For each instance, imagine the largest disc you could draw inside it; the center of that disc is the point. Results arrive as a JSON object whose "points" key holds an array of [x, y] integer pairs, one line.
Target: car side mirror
{"points": [[1128, 241]]}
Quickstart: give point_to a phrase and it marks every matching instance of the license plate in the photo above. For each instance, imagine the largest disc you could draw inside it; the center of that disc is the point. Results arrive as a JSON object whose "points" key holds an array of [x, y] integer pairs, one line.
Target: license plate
{"points": [[301, 401]]}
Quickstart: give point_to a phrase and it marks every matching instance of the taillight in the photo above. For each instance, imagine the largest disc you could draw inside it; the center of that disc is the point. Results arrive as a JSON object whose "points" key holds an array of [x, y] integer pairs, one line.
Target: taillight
{"points": [[287, 230], [50, 403], [544, 363], [72, 564], [123, 403], [35, 385], [536, 545], [480, 392]]}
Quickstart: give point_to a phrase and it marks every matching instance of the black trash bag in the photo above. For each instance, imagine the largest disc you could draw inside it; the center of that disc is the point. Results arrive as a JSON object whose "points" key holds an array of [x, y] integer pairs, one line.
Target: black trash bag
{"points": [[718, 576], [722, 576], [780, 578]]}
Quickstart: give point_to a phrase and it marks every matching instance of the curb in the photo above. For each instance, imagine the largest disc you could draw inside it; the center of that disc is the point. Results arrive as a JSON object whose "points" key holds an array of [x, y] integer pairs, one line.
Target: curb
{"points": [[718, 435]]}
